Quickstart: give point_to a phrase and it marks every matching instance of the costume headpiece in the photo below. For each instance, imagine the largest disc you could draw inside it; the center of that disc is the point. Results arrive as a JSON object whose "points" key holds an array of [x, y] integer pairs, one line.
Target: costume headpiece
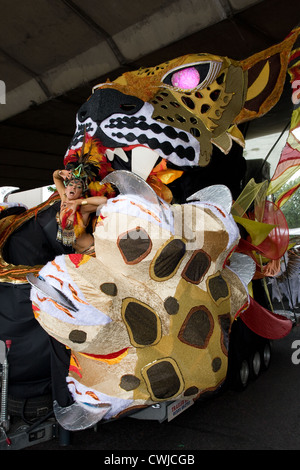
{"points": [[83, 166], [78, 174]]}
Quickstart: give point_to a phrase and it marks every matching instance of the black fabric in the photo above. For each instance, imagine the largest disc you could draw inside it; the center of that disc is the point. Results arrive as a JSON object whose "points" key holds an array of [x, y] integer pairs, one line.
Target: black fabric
{"points": [[60, 360], [34, 243], [223, 169], [29, 358], [14, 210]]}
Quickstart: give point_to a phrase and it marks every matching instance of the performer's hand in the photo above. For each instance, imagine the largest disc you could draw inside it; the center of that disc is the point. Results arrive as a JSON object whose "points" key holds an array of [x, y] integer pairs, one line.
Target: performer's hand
{"points": [[65, 174]]}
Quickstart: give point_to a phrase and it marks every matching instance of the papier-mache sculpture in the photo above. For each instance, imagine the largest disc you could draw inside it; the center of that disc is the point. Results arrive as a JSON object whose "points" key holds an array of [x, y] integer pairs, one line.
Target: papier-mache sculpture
{"points": [[152, 311]]}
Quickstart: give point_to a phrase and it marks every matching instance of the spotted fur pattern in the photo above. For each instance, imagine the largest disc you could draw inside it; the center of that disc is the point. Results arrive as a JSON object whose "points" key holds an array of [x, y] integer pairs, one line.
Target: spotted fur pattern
{"points": [[154, 308]]}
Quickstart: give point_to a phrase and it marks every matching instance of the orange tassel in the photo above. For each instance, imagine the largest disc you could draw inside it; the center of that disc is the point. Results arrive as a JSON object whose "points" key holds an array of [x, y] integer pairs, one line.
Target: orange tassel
{"points": [[65, 216]]}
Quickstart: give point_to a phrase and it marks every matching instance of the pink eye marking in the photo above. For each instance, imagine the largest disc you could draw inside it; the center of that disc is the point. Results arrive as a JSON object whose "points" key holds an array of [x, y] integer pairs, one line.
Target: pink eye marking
{"points": [[186, 78]]}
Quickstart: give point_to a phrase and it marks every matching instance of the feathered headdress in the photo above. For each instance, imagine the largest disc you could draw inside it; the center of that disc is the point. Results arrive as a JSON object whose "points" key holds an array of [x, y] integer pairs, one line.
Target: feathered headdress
{"points": [[89, 165]]}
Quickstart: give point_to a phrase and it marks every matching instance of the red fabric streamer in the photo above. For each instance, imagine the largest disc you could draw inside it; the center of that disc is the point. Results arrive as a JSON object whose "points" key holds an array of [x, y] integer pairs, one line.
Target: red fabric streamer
{"points": [[264, 322], [276, 243]]}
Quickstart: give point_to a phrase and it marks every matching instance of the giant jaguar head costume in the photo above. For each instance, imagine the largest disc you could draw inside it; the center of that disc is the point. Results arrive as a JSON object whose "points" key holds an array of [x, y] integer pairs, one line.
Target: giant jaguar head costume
{"points": [[172, 115]]}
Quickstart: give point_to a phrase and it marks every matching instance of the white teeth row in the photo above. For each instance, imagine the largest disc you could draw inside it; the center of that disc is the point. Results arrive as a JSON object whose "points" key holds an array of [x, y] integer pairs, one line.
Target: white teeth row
{"points": [[146, 112], [119, 152], [143, 159]]}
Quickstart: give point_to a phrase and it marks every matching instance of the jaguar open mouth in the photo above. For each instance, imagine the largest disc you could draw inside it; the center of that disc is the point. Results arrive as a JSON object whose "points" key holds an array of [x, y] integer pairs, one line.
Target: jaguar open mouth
{"points": [[137, 159]]}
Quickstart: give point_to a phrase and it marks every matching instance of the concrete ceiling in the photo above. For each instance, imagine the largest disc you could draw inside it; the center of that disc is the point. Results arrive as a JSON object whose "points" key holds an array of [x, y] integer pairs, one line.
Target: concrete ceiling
{"points": [[54, 51]]}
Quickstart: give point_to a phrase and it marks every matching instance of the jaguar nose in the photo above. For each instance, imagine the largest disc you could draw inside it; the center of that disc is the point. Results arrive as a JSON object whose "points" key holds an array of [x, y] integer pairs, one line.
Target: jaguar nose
{"points": [[82, 115], [105, 102]]}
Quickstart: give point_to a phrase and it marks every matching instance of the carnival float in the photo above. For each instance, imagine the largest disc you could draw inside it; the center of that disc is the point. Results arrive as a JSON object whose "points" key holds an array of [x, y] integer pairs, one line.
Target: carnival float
{"points": [[171, 306]]}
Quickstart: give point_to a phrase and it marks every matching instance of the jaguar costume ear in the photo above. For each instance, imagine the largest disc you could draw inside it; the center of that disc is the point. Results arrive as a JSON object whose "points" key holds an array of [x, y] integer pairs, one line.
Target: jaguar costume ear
{"points": [[129, 183], [266, 73], [217, 194]]}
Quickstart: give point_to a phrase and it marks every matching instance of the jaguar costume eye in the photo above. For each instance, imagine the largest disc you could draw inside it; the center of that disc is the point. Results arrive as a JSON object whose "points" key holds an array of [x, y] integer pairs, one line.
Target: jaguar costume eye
{"points": [[186, 78], [193, 76]]}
